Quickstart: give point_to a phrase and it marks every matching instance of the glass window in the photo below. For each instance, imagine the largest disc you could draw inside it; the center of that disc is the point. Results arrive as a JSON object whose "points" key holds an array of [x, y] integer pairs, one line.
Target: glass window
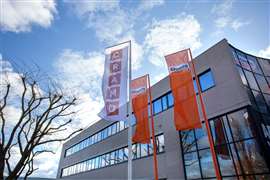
{"points": [[134, 151], [265, 64], [121, 155], [240, 123], [219, 131], [144, 150], [160, 143], [267, 99], [122, 125], [188, 141], [157, 106], [242, 76], [202, 138], [262, 83], [206, 163], [254, 64], [260, 101], [251, 159], [125, 154], [112, 158], [164, 103], [195, 86], [206, 80], [225, 160], [170, 99], [113, 128], [235, 56], [150, 147], [243, 60], [192, 165], [251, 80]]}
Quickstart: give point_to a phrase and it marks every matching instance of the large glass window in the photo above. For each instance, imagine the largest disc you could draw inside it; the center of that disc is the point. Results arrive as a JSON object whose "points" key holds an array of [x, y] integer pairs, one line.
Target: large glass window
{"points": [[114, 157], [206, 80], [170, 99], [236, 146], [265, 64], [157, 106], [254, 64], [251, 80]]}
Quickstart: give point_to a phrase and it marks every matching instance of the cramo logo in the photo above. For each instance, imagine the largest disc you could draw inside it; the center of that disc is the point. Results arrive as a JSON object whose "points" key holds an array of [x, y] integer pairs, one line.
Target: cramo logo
{"points": [[138, 90], [179, 67]]}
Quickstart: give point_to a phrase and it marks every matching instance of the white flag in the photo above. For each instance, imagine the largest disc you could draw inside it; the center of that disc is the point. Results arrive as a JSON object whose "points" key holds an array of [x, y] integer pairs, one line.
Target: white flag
{"points": [[114, 85]]}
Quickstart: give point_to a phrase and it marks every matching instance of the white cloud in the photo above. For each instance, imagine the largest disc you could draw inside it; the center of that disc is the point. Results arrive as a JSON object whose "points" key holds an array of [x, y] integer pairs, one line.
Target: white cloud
{"points": [[224, 18], [236, 24], [171, 35], [80, 73], [19, 16], [265, 52], [149, 4]]}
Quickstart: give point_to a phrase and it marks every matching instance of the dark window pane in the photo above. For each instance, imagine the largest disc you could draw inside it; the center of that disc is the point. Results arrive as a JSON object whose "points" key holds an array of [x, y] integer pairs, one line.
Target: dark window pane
{"points": [[260, 101], [160, 143], [240, 123], [235, 56], [206, 80], [170, 99], [157, 106], [202, 138], [267, 99], [254, 64], [206, 163], [265, 64], [262, 83], [251, 80], [164, 103], [195, 86], [242, 76], [225, 160], [219, 131], [188, 141], [192, 165], [251, 159], [243, 60]]}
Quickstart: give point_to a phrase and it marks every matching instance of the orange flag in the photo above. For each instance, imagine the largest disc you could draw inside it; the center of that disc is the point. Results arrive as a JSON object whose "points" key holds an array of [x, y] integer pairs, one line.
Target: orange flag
{"points": [[186, 114], [139, 94]]}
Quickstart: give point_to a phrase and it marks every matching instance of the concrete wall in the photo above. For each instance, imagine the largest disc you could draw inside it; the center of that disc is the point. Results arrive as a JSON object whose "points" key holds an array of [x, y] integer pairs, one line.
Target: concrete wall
{"points": [[228, 94]]}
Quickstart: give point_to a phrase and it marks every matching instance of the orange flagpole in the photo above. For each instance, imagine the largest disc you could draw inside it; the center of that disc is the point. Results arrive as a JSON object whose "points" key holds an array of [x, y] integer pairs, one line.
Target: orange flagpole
{"points": [[214, 156], [153, 132]]}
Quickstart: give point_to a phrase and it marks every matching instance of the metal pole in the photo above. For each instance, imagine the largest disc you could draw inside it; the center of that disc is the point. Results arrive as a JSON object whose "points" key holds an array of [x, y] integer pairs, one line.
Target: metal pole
{"points": [[214, 156], [153, 131], [129, 121]]}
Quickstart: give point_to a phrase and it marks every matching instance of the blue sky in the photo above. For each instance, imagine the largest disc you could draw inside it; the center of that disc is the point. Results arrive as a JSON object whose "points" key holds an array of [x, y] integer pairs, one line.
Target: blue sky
{"points": [[67, 39]]}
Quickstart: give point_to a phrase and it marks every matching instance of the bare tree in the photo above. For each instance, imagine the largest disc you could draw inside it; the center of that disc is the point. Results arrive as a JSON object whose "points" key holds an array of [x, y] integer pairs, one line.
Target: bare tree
{"points": [[43, 116]]}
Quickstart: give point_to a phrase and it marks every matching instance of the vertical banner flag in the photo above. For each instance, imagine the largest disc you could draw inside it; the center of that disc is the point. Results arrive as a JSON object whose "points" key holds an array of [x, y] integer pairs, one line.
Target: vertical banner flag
{"points": [[186, 114], [114, 84], [139, 94]]}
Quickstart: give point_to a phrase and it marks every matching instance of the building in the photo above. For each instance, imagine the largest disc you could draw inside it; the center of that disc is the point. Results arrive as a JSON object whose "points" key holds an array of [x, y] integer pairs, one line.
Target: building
{"points": [[236, 92]]}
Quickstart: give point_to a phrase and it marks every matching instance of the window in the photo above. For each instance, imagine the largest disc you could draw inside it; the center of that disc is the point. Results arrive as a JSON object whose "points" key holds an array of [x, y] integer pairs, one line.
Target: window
{"points": [[157, 106], [164, 103], [111, 158], [238, 152], [254, 64], [262, 83], [243, 60], [242, 76], [265, 64], [251, 80], [195, 86], [170, 99], [206, 80]]}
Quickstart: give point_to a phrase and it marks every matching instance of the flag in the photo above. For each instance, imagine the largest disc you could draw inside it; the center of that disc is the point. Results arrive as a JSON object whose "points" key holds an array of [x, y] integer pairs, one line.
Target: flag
{"points": [[186, 114], [139, 94], [114, 84]]}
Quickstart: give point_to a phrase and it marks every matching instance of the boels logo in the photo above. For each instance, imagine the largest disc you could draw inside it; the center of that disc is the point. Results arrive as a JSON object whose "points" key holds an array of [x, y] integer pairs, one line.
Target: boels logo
{"points": [[179, 68], [138, 90]]}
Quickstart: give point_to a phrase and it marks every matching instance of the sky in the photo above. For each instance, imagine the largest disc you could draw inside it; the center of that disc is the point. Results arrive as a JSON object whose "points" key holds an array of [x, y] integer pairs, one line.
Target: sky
{"points": [[67, 39]]}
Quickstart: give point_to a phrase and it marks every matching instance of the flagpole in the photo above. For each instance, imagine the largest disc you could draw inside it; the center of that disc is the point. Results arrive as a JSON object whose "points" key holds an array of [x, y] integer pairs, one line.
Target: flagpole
{"points": [[153, 132], [214, 156], [129, 121]]}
